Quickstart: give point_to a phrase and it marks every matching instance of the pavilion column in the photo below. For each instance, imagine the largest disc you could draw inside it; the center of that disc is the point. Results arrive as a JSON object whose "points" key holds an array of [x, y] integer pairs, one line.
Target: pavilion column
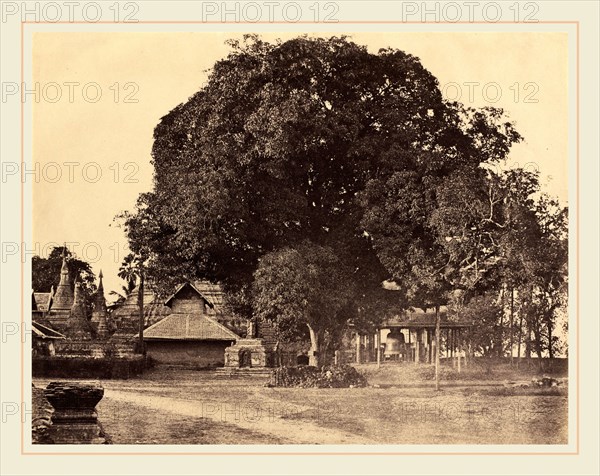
{"points": [[434, 348], [357, 348], [451, 331], [459, 352], [429, 347], [417, 345]]}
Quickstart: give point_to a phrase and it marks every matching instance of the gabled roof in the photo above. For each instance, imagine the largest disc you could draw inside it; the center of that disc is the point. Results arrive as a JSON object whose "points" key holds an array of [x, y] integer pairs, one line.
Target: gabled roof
{"points": [[189, 327], [42, 301], [184, 286]]}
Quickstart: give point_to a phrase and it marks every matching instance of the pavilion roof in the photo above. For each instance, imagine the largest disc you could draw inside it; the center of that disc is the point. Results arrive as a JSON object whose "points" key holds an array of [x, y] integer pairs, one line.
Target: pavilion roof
{"points": [[415, 318]]}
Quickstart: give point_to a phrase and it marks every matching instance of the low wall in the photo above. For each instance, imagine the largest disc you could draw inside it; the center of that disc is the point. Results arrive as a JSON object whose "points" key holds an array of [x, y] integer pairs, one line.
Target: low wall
{"points": [[95, 349], [88, 367], [200, 354]]}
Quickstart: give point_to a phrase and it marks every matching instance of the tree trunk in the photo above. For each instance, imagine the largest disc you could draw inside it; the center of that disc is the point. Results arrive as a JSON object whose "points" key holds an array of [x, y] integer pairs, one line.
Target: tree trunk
{"points": [[314, 358], [549, 325], [141, 314], [520, 337], [537, 332], [512, 313], [437, 347], [500, 334]]}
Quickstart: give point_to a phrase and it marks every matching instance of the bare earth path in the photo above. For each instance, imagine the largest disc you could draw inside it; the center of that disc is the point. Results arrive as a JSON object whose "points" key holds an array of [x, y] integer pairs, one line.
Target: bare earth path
{"points": [[175, 406], [267, 417]]}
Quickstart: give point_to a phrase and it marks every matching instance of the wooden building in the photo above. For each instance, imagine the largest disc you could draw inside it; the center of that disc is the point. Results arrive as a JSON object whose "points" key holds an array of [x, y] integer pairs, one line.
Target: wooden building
{"points": [[189, 336]]}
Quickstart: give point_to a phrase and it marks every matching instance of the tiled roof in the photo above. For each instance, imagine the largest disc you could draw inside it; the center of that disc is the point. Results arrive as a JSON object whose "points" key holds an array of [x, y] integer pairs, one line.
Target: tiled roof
{"points": [[44, 332], [126, 315], [189, 327], [416, 317]]}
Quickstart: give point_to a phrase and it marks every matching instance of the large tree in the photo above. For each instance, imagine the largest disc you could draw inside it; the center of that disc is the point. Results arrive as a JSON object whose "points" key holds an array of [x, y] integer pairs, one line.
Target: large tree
{"points": [[310, 139]]}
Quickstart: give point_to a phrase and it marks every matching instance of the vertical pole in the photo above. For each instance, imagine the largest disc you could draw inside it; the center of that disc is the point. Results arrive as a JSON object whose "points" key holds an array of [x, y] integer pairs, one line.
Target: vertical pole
{"points": [[437, 348], [357, 348], [141, 313], [429, 347], [417, 344], [512, 316], [452, 347]]}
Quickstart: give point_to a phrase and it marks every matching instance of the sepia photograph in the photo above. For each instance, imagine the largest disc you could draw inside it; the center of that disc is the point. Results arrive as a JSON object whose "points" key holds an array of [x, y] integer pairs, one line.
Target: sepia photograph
{"points": [[323, 237], [301, 239]]}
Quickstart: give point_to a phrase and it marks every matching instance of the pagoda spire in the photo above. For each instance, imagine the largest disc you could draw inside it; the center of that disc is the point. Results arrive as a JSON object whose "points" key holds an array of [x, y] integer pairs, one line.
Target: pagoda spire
{"points": [[78, 325], [63, 298], [99, 319]]}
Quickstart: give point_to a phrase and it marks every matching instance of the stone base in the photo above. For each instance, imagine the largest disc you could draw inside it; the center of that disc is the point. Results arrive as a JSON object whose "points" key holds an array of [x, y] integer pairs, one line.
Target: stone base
{"points": [[75, 420], [249, 353], [75, 434]]}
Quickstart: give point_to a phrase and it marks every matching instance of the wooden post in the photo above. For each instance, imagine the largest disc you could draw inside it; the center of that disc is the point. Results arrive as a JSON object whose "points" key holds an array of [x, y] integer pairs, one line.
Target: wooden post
{"points": [[512, 316], [437, 347], [357, 348], [429, 347], [458, 354], [417, 344], [452, 348]]}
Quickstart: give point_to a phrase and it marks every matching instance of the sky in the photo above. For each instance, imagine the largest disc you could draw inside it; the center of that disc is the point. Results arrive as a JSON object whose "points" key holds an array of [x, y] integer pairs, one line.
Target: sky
{"points": [[102, 94]]}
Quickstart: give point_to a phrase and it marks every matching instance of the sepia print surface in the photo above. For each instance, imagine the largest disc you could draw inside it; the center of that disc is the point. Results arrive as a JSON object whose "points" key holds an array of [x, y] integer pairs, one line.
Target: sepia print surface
{"points": [[321, 238]]}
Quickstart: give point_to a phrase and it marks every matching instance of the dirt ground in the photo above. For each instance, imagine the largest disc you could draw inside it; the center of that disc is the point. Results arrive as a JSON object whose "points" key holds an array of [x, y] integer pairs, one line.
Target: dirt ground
{"points": [[168, 406]]}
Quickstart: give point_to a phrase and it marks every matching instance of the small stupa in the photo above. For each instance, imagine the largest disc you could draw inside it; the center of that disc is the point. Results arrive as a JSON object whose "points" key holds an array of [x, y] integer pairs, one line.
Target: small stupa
{"points": [[78, 326], [63, 298], [99, 319]]}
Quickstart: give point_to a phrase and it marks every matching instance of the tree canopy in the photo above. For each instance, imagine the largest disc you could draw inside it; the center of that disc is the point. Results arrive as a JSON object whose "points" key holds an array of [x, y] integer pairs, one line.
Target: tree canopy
{"points": [[319, 144]]}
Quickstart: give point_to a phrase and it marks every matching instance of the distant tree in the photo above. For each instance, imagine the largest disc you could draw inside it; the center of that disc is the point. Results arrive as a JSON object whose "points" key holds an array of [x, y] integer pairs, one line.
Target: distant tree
{"points": [[546, 271], [45, 273]]}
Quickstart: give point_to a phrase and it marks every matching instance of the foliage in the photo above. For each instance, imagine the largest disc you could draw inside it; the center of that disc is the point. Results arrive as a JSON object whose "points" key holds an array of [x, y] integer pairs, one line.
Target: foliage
{"points": [[307, 285], [342, 376], [45, 273], [318, 145]]}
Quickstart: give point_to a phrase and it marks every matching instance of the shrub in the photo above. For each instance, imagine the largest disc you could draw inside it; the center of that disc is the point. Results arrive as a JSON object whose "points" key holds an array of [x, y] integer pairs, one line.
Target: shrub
{"points": [[332, 376]]}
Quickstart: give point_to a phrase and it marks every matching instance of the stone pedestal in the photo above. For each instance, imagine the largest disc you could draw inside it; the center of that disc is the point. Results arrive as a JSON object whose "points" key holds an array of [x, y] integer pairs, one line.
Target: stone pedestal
{"points": [[75, 420], [248, 353]]}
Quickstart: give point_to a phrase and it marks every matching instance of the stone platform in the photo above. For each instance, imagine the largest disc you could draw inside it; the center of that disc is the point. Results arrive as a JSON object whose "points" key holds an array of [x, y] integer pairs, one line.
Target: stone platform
{"points": [[249, 353]]}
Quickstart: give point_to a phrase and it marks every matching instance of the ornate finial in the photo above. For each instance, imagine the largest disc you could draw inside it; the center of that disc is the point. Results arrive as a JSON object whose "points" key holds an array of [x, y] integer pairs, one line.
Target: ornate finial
{"points": [[64, 268], [78, 299]]}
